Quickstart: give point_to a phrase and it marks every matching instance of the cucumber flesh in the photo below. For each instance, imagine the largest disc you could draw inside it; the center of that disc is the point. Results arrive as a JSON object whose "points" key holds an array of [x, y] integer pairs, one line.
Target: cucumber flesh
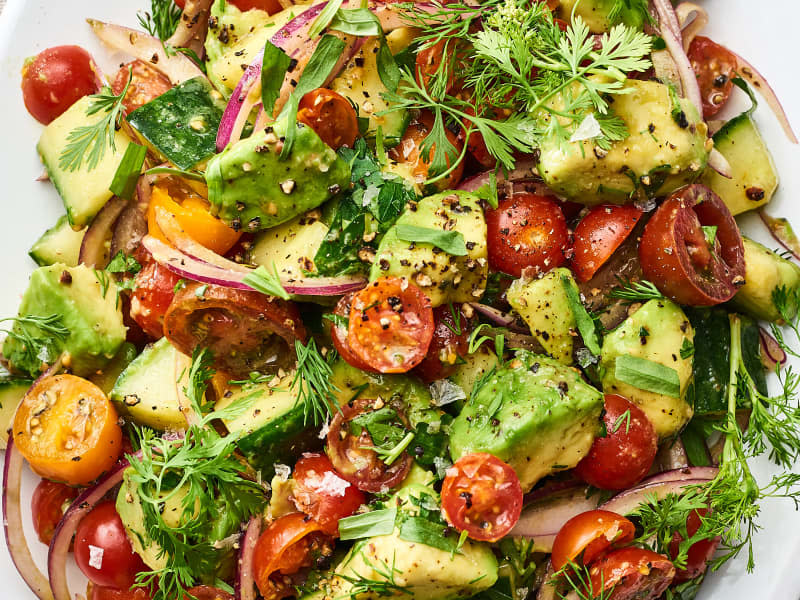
{"points": [[59, 244]]}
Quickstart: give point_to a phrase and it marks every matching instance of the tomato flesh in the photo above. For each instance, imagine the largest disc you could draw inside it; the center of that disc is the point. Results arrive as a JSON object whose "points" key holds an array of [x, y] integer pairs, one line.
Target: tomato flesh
{"points": [[153, 292], [331, 116], [49, 501], [598, 236], [482, 495], [339, 328], [448, 346], [715, 68], [632, 573], [96, 592], [147, 83], [588, 535], [270, 6], [700, 553]]}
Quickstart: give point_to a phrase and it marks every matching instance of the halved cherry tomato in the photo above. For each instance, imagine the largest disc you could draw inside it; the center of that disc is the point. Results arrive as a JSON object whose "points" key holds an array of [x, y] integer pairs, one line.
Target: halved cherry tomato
{"points": [[67, 429], [153, 292], [482, 495], [588, 535], [715, 68], [429, 63], [288, 545], [676, 253], [246, 331], [632, 573], [103, 551], [331, 116], [191, 212], [206, 592], [271, 6], [409, 151], [699, 553], [625, 454], [391, 325], [526, 231], [55, 79], [321, 493], [96, 592], [350, 453], [599, 234], [448, 346], [339, 334], [50, 500], [147, 83]]}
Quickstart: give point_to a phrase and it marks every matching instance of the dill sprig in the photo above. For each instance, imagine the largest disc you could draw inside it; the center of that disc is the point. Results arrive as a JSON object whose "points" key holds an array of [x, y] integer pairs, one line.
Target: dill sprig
{"points": [[162, 20], [313, 382], [38, 337], [386, 586], [637, 291]]}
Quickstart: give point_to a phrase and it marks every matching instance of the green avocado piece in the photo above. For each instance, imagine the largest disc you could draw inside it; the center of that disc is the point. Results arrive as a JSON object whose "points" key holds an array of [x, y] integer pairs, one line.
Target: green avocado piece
{"points": [[250, 187], [596, 14], [91, 315], [107, 377], [662, 152], [765, 271], [656, 332], [473, 367], [535, 413], [442, 276], [59, 244], [12, 390], [544, 306]]}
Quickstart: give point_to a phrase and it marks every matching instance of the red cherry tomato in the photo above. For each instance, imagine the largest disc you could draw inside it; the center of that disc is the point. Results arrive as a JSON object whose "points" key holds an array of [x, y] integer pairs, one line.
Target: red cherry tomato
{"points": [[588, 535], [289, 544], [103, 551], [715, 68], [322, 494], [96, 592], [676, 253], [699, 553], [331, 116], [482, 496], [429, 63], [599, 234], [339, 334], [632, 573], [153, 292], [352, 457], [524, 231], [391, 325], [270, 6], [448, 346], [55, 79], [626, 453], [49, 501], [147, 83]]}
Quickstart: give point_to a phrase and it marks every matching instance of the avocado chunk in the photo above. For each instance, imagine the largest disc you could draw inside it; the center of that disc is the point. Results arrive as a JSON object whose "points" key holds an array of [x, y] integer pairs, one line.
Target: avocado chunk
{"points": [[473, 368], [147, 390], [441, 276], [765, 272], [90, 315], [12, 390], [544, 306], [107, 378], [536, 414], [597, 14], [83, 192], [59, 244], [251, 187], [657, 332], [666, 149]]}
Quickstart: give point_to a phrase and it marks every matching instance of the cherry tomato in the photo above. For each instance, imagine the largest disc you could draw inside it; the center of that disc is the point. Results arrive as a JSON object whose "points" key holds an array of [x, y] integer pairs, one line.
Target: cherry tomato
{"points": [[96, 592], [448, 346], [339, 334], [246, 331], [429, 63], [181, 4], [67, 429], [55, 79], [322, 494], [598, 236], [270, 6], [715, 68], [153, 292], [526, 231], [206, 592], [699, 553], [191, 212], [147, 83], [626, 453], [351, 456], [288, 545], [409, 151], [632, 573], [331, 116], [679, 257], [391, 325], [50, 500], [482, 496], [588, 535], [103, 551]]}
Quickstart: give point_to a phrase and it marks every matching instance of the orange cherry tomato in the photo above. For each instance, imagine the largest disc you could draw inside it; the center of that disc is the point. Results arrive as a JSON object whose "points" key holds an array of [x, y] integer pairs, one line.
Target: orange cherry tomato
{"points": [[50, 500], [191, 212], [331, 116], [631, 574], [339, 334], [67, 429], [588, 535], [599, 234], [147, 83]]}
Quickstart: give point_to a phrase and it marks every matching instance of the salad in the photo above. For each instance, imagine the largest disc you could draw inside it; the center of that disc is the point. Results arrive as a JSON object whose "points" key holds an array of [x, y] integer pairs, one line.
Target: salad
{"points": [[366, 299]]}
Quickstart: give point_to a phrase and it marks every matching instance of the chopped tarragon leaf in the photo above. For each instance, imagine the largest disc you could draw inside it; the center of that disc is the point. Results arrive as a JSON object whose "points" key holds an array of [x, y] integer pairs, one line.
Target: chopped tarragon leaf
{"points": [[371, 524], [267, 283], [648, 375], [451, 242]]}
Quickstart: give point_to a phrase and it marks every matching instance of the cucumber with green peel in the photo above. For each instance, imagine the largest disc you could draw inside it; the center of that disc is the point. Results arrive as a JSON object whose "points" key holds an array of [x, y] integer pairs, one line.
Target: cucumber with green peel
{"points": [[59, 244], [12, 390]]}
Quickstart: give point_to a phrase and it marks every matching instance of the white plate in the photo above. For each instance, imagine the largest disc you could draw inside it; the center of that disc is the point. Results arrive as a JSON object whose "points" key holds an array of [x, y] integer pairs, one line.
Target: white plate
{"points": [[767, 38]]}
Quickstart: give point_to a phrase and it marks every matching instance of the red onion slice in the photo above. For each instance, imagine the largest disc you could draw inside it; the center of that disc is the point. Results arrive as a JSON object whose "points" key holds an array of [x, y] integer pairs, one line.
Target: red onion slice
{"points": [[692, 19], [245, 587], [192, 27], [496, 316], [628, 501], [781, 230], [772, 354], [12, 523], [94, 248], [524, 170], [719, 163], [236, 103]]}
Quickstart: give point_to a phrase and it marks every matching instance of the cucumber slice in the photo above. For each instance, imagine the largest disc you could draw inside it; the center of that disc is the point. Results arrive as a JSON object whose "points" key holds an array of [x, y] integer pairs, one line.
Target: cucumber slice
{"points": [[12, 390], [59, 244]]}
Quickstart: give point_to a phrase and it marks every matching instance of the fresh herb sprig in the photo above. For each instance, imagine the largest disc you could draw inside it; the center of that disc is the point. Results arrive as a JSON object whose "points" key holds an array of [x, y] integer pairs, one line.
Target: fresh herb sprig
{"points": [[313, 382], [38, 337], [162, 19], [387, 585], [637, 291]]}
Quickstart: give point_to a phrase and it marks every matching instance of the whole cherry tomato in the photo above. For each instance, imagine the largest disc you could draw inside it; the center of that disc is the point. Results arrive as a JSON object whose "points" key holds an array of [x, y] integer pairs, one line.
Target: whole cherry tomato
{"points": [[50, 500], [699, 553], [448, 346], [55, 79], [588, 535], [632, 573], [147, 83], [322, 494], [715, 68], [526, 231], [339, 328], [331, 116], [598, 236], [103, 551], [482, 495], [625, 454], [153, 292]]}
